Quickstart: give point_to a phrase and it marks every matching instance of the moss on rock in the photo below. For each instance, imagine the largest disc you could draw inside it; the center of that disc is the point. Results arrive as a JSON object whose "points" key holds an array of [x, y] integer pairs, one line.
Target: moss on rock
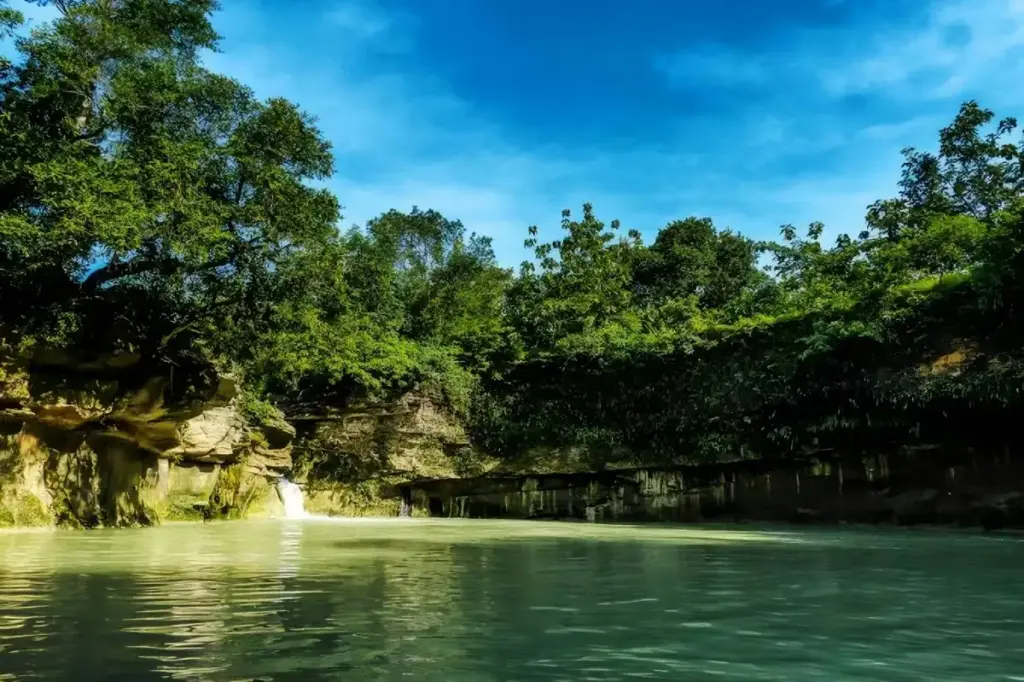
{"points": [[356, 499], [182, 507], [21, 509]]}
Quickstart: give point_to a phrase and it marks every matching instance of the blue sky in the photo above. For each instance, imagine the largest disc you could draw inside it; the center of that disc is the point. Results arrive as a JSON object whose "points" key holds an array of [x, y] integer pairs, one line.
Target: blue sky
{"points": [[501, 113]]}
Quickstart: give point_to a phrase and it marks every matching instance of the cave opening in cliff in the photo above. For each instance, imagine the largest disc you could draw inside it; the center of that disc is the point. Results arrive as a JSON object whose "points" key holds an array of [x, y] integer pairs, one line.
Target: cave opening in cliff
{"points": [[435, 506]]}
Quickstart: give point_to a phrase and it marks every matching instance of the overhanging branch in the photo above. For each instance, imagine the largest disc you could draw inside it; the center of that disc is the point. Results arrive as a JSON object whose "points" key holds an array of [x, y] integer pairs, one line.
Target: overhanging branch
{"points": [[141, 266]]}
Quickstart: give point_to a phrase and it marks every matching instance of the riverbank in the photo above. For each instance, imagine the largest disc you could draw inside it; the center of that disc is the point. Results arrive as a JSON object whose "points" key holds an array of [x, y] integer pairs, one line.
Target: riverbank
{"points": [[698, 529], [412, 529]]}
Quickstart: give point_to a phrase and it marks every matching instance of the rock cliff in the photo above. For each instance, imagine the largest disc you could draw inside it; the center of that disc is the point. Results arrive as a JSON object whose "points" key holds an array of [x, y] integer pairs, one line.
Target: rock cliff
{"points": [[345, 459], [910, 485], [115, 442]]}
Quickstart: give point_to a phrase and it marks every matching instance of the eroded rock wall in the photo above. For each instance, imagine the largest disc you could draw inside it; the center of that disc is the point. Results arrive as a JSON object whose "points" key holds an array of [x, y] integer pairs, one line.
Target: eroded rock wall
{"points": [[919, 486], [108, 444], [347, 459]]}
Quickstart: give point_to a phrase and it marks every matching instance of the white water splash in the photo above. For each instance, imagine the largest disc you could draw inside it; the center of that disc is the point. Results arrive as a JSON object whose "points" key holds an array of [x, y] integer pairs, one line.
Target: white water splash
{"points": [[291, 497], [294, 503]]}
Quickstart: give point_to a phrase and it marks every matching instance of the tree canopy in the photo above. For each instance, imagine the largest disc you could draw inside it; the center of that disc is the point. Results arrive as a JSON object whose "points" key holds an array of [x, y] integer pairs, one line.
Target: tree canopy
{"points": [[153, 207]]}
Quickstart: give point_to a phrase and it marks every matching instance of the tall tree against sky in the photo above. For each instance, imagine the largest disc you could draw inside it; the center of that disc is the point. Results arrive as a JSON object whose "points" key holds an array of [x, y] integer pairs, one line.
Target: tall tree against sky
{"points": [[126, 166]]}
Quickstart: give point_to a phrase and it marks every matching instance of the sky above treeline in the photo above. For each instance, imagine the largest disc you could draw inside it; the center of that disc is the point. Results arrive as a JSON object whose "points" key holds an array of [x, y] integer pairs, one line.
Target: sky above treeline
{"points": [[502, 114]]}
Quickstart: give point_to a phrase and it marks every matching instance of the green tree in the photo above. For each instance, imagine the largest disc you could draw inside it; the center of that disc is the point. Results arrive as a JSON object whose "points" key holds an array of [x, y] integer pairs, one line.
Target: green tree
{"points": [[461, 305], [9, 20], [582, 286], [811, 277], [393, 258], [945, 198], [692, 258], [129, 173]]}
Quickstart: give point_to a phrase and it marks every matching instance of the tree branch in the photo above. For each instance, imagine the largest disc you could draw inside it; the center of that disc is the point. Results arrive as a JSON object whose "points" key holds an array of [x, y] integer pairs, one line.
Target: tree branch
{"points": [[196, 319], [140, 266], [120, 269]]}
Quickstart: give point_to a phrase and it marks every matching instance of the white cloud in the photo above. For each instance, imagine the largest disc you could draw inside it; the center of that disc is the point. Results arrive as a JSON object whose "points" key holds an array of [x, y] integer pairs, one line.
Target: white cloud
{"points": [[962, 43], [959, 45], [902, 130], [404, 139], [358, 20], [914, 76]]}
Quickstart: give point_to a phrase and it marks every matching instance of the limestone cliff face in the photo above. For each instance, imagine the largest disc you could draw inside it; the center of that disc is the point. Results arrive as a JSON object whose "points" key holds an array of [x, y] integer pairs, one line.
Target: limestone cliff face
{"points": [[347, 458], [935, 485], [113, 442], [110, 442]]}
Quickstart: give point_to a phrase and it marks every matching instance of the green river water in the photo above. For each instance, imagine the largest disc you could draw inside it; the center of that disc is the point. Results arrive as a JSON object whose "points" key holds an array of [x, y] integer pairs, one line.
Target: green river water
{"points": [[508, 601]]}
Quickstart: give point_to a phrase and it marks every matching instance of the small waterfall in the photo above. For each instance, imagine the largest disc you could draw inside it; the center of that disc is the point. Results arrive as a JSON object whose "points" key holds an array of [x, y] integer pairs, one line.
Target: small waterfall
{"points": [[291, 497]]}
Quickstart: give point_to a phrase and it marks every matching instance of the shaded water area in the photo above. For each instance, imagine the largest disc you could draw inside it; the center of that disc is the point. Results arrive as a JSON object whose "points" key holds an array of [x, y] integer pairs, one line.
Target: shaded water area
{"points": [[458, 600]]}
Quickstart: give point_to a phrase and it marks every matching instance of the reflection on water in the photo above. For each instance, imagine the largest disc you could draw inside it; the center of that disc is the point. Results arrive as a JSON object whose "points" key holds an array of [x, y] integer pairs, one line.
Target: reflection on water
{"points": [[481, 601]]}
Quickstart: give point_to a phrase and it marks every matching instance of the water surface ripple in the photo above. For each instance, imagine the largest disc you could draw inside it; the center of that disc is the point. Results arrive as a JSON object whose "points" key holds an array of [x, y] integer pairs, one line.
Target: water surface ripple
{"points": [[451, 601]]}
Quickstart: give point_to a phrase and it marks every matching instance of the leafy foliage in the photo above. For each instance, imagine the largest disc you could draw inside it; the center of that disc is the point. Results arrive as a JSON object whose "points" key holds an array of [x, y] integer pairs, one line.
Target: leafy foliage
{"points": [[905, 332], [150, 206], [133, 178]]}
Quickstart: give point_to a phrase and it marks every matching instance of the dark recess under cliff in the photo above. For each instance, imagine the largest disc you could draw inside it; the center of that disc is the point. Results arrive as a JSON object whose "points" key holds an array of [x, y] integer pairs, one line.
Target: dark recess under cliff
{"points": [[920, 486]]}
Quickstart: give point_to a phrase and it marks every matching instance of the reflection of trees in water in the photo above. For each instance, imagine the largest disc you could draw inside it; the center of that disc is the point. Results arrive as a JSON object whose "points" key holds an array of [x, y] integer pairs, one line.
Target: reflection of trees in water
{"points": [[58, 640], [27, 594], [424, 607], [170, 603], [372, 608], [348, 603], [555, 605], [300, 640], [182, 613], [389, 607], [310, 602], [84, 607], [63, 607]]}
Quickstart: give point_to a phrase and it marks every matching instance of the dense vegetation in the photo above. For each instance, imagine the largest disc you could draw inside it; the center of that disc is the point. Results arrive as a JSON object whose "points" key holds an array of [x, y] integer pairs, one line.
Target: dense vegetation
{"points": [[151, 207]]}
